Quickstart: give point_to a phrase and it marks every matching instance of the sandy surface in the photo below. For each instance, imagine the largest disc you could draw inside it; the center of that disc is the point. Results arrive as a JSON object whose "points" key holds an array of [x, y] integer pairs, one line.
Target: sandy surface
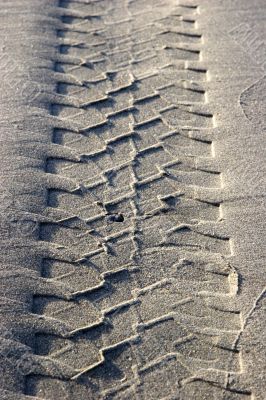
{"points": [[133, 200]]}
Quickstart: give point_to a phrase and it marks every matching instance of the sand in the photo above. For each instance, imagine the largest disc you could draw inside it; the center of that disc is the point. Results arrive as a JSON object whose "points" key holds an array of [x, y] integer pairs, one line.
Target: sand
{"points": [[132, 202]]}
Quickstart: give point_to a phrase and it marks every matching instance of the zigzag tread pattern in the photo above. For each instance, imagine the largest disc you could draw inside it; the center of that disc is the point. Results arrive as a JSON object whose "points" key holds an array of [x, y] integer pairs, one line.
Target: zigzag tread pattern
{"points": [[143, 300]]}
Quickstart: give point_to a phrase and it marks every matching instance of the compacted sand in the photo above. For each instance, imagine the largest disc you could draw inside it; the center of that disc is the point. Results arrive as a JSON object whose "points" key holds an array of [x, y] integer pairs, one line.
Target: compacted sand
{"points": [[132, 199]]}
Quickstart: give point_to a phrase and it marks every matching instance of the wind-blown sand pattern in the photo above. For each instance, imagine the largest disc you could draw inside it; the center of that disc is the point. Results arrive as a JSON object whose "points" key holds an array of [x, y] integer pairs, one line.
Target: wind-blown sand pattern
{"points": [[140, 273]]}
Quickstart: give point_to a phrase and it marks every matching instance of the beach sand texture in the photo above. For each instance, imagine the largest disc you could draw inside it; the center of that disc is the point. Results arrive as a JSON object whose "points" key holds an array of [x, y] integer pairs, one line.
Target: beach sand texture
{"points": [[132, 200]]}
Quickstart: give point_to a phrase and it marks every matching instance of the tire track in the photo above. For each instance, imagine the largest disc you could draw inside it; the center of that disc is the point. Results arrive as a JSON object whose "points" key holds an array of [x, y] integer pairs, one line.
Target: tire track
{"points": [[143, 258]]}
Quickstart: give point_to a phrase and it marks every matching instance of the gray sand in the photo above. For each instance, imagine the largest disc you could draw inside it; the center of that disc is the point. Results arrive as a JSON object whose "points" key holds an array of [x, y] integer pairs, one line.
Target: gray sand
{"points": [[132, 202]]}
